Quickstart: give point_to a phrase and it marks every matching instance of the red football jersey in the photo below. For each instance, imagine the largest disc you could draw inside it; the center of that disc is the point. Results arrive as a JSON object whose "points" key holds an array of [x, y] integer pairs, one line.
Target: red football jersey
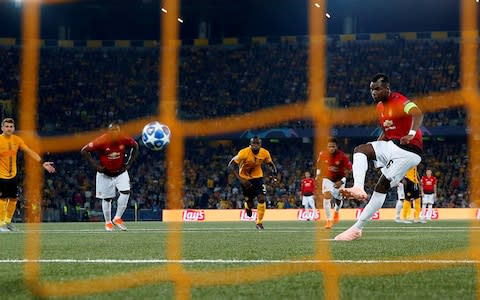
{"points": [[333, 166], [428, 184], [396, 123], [307, 186], [111, 153]]}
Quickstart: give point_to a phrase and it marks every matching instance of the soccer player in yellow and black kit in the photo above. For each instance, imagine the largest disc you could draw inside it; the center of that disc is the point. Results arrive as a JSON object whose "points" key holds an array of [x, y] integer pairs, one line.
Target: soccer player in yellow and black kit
{"points": [[250, 175], [9, 146], [412, 194]]}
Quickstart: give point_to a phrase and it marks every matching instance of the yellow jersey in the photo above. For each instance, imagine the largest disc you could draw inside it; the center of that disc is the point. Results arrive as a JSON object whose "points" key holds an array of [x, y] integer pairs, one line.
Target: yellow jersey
{"points": [[250, 164], [9, 146], [412, 175]]}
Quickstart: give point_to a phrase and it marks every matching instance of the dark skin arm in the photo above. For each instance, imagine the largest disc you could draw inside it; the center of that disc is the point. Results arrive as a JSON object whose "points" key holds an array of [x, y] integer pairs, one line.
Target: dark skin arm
{"points": [[101, 169], [417, 117], [340, 182], [233, 168], [88, 156], [273, 170], [131, 158]]}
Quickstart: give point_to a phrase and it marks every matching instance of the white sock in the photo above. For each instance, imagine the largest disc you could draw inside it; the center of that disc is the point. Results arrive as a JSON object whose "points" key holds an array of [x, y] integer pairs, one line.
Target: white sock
{"points": [[424, 211], [359, 169], [311, 211], [398, 209], [107, 210], [338, 204], [375, 203], [121, 204], [327, 207], [429, 211]]}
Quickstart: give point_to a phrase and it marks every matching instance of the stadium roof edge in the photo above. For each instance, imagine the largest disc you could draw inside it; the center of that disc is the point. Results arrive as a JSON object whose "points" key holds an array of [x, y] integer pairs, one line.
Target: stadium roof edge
{"points": [[436, 35]]}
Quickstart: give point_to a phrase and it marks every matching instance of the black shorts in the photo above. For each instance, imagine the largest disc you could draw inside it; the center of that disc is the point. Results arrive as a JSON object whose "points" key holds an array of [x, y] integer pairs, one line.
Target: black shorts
{"points": [[412, 189], [8, 188], [256, 189]]}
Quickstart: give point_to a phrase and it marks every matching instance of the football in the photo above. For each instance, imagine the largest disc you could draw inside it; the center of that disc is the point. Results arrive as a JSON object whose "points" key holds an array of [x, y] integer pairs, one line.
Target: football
{"points": [[155, 135]]}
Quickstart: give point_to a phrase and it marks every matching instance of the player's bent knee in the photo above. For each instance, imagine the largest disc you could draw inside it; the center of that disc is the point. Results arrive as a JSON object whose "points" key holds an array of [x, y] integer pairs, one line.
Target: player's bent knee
{"points": [[106, 199], [366, 149], [327, 195], [383, 185]]}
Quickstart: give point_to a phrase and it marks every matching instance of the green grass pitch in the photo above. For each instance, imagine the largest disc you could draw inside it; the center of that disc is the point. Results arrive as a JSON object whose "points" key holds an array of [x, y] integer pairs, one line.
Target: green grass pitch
{"points": [[85, 250]]}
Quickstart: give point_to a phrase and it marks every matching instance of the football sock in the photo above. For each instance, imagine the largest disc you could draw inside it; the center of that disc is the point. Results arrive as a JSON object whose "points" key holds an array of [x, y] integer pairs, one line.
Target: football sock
{"points": [[424, 211], [417, 208], [375, 203], [261, 212], [398, 208], [312, 204], [3, 211], [107, 210], [360, 167], [406, 209], [310, 212], [327, 207], [121, 204], [429, 211], [11, 207], [338, 204]]}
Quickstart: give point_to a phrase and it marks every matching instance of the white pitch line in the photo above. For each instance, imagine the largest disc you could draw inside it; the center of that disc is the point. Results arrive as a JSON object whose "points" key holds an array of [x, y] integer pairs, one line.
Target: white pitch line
{"points": [[271, 229], [231, 261]]}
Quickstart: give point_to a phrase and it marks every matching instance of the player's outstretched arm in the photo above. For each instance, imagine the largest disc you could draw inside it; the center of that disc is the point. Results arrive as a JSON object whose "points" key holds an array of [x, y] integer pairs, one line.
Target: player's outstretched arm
{"points": [[47, 165]]}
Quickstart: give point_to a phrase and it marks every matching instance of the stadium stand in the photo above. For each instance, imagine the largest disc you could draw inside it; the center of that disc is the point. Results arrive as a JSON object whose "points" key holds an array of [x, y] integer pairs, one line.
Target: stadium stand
{"points": [[86, 85]]}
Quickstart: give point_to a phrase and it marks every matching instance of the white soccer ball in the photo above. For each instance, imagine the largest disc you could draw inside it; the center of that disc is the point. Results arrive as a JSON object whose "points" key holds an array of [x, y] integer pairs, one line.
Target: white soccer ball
{"points": [[155, 135]]}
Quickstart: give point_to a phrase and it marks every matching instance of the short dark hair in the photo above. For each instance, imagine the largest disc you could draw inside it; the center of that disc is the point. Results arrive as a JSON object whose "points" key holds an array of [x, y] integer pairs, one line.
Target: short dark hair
{"points": [[8, 120], [113, 124], [333, 140], [255, 140], [381, 77]]}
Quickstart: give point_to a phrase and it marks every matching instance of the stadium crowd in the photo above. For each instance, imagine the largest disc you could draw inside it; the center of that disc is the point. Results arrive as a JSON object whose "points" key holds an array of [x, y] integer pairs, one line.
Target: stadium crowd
{"points": [[207, 183], [86, 88]]}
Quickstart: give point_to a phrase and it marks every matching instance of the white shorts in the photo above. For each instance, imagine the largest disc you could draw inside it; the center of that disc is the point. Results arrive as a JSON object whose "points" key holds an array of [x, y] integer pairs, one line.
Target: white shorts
{"points": [[106, 186], [428, 199], [308, 202], [393, 160], [329, 186]]}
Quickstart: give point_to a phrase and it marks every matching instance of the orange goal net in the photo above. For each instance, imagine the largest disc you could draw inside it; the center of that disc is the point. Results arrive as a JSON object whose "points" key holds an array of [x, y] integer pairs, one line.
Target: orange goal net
{"points": [[323, 119]]}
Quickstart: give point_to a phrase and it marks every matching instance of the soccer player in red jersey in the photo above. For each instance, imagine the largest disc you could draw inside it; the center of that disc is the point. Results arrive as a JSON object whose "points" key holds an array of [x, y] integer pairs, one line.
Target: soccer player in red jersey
{"points": [[334, 165], [398, 149], [428, 189], [307, 188], [112, 171]]}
